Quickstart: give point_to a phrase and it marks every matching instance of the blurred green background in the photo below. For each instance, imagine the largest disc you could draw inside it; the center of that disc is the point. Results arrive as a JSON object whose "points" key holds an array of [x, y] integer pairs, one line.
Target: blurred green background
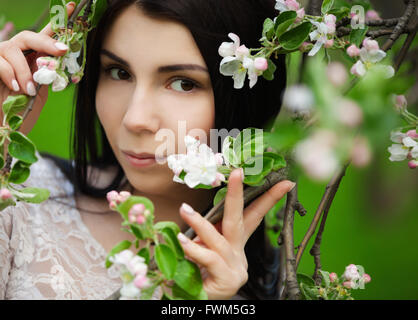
{"points": [[373, 220]]}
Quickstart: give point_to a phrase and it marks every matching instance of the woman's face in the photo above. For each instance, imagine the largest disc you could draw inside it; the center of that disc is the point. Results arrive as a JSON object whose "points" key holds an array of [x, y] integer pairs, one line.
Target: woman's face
{"points": [[152, 77]]}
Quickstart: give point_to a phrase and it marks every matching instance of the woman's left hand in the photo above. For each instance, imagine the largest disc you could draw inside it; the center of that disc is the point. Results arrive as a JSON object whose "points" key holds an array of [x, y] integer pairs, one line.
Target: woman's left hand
{"points": [[222, 253]]}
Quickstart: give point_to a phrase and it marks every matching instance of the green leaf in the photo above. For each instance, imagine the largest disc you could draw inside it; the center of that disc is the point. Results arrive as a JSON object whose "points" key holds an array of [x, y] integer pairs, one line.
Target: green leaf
{"points": [[123, 245], [22, 148], [125, 206], [98, 8], [269, 73], [1, 161], [326, 6], [173, 242], [137, 232], [167, 224], [268, 28], [188, 277], [220, 195], [144, 253], [19, 173], [13, 105], [325, 278], [292, 39], [32, 195], [166, 260], [305, 279], [255, 180], [15, 122], [6, 203], [284, 21], [309, 293], [340, 13], [357, 36], [278, 160], [146, 294]]}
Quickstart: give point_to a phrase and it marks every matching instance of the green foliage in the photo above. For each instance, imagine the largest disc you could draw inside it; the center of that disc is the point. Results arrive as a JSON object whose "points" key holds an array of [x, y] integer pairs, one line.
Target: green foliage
{"points": [[166, 260], [326, 6], [292, 39]]}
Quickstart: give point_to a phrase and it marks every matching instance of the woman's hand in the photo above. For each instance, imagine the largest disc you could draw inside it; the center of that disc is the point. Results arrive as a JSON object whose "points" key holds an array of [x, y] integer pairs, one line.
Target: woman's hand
{"points": [[222, 254], [16, 69]]}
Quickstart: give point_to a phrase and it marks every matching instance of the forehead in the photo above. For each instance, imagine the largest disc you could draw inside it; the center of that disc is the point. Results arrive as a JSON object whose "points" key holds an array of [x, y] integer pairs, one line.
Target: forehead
{"points": [[138, 37]]}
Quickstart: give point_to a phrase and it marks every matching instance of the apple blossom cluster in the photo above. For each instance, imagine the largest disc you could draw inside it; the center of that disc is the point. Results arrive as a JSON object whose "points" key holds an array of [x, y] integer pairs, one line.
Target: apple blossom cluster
{"points": [[198, 166], [133, 270], [353, 279], [52, 70], [6, 31], [405, 147], [324, 33], [290, 5], [114, 198], [237, 62], [368, 55]]}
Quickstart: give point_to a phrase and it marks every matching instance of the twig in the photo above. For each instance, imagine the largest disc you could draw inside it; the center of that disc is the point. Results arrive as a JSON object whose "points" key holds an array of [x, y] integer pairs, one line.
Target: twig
{"points": [[316, 248], [407, 44], [330, 189], [250, 194], [400, 27], [292, 288], [314, 7]]}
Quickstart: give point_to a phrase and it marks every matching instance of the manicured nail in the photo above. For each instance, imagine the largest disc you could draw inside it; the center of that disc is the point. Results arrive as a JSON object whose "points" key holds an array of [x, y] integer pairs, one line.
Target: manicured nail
{"points": [[15, 85], [31, 88], [242, 174], [61, 46], [188, 209], [292, 186], [182, 238]]}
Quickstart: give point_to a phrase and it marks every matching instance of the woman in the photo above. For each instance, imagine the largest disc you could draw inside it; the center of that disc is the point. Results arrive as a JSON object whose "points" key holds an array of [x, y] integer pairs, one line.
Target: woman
{"points": [[151, 65]]}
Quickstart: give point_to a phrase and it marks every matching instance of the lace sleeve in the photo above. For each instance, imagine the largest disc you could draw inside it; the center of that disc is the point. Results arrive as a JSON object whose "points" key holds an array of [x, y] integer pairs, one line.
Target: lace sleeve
{"points": [[6, 255]]}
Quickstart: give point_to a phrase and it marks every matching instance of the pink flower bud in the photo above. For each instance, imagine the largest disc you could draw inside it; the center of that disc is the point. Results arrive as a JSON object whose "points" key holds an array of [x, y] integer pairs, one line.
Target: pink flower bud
{"points": [[137, 209], [75, 79], [8, 27], [112, 205], [112, 196], [337, 74], [53, 65], [353, 51], [140, 219], [131, 217], [329, 43], [42, 62], [333, 276], [141, 281], [348, 284], [330, 20], [219, 179], [124, 195], [261, 64], [300, 15], [413, 134], [361, 154], [370, 45], [306, 46], [413, 164], [400, 103], [372, 15], [292, 5], [366, 278], [349, 113], [5, 194]]}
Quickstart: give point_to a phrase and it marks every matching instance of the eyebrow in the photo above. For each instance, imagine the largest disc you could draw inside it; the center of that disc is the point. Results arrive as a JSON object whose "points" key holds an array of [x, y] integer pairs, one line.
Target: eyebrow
{"points": [[162, 69]]}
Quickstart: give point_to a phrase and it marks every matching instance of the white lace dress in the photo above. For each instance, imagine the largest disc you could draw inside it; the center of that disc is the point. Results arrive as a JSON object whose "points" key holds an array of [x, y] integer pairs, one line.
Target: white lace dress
{"points": [[46, 251]]}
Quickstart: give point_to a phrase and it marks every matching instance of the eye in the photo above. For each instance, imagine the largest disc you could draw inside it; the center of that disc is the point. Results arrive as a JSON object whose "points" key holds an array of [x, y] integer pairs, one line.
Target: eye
{"points": [[117, 73], [183, 85]]}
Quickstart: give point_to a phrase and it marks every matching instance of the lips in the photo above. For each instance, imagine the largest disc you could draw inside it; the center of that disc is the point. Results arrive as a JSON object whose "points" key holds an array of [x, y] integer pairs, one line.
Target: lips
{"points": [[140, 155]]}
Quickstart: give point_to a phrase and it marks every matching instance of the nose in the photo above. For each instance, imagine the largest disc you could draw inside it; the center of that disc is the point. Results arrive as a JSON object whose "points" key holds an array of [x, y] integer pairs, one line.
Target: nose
{"points": [[143, 112]]}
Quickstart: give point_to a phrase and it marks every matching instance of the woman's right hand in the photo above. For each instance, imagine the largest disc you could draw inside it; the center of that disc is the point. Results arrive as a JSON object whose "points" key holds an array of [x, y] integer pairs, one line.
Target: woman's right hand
{"points": [[16, 69]]}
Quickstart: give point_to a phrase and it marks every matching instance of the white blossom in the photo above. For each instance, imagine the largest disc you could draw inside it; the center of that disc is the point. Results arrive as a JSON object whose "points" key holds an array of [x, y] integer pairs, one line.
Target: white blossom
{"points": [[70, 62], [320, 34], [45, 76]]}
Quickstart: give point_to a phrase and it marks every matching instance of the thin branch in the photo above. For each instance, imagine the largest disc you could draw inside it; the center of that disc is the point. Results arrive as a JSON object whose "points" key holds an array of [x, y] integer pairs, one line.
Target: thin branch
{"points": [[292, 287], [314, 7], [330, 189], [401, 26], [407, 44], [316, 248]]}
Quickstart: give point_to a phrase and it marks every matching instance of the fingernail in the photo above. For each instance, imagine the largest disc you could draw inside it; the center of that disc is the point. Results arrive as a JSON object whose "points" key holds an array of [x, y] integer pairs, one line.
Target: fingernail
{"points": [[188, 209], [182, 238], [293, 184], [61, 46], [15, 85], [242, 174], [31, 88]]}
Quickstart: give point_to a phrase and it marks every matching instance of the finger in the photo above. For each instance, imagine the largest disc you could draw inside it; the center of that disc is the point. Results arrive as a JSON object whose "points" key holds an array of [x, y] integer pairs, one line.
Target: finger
{"points": [[47, 30], [206, 231], [18, 62], [7, 75], [38, 42], [203, 256], [232, 222], [255, 212]]}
